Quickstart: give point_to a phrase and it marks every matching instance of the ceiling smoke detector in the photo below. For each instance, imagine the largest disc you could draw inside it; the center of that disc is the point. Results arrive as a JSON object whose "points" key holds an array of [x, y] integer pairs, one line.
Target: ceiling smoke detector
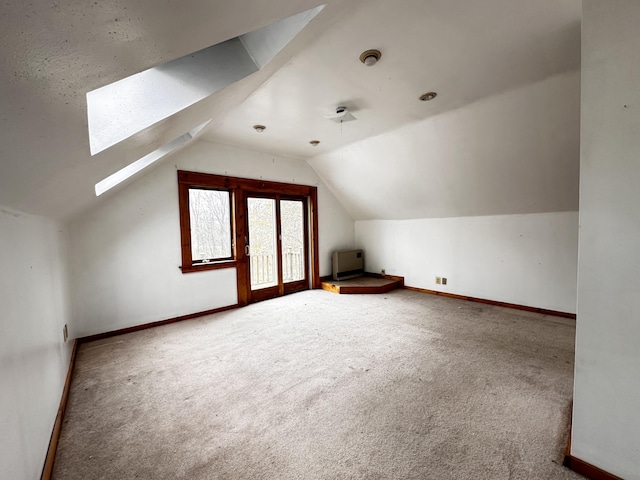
{"points": [[259, 128], [428, 96], [370, 57]]}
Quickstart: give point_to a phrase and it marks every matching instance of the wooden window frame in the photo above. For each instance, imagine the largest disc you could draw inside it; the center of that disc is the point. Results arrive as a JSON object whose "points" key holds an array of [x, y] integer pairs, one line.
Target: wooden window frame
{"points": [[238, 188], [209, 261]]}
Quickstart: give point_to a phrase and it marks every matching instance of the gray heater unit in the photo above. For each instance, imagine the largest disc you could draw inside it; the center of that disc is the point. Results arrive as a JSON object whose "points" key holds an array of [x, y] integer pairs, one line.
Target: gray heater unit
{"points": [[348, 264]]}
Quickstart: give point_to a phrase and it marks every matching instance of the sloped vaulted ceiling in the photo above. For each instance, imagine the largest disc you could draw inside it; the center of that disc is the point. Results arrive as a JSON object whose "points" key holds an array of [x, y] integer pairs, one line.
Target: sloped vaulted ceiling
{"points": [[513, 153], [55, 52], [501, 137], [496, 64]]}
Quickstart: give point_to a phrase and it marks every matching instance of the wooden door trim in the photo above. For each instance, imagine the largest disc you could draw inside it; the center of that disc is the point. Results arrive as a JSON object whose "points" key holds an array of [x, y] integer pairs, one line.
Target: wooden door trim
{"points": [[289, 287], [315, 249], [299, 285], [195, 179], [259, 294], [279, 246], [240, 227]]}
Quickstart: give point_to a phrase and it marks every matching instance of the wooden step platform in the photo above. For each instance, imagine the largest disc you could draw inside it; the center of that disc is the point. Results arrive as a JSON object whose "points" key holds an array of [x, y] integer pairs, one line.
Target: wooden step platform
{"points": [[370, 283]]}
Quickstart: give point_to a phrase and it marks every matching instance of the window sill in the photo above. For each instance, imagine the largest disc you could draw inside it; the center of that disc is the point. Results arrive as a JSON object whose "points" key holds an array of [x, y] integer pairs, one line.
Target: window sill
{"points": [[200, 267]]}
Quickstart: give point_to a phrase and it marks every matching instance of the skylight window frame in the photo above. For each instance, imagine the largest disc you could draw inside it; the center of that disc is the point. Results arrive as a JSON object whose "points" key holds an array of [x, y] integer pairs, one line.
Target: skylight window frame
{"points": [[121, 109], [157, 155]]}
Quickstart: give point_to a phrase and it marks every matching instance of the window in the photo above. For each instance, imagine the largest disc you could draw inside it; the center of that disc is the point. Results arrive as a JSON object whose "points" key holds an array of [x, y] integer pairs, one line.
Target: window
{"points": [[215, 229], [142, 163], [128, 106], [210, 222]]}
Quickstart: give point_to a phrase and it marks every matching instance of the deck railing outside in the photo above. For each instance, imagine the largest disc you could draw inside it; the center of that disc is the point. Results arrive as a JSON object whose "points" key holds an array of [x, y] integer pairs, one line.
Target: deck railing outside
{"points": [[262, 268]]}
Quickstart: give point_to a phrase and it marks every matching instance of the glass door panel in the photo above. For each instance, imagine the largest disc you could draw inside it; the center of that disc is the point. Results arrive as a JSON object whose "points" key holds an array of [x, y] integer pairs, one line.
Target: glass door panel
{"points": [[293, 240], [263, 251]]}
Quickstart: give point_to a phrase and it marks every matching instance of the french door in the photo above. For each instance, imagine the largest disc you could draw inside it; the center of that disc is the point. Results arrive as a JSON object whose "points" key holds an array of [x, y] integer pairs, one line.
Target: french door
{"points": [[277, 245]]}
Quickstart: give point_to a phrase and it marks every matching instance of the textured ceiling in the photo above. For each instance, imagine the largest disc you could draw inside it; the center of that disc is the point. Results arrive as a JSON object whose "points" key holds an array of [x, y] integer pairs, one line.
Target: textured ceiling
{"points": [[54, 53]]}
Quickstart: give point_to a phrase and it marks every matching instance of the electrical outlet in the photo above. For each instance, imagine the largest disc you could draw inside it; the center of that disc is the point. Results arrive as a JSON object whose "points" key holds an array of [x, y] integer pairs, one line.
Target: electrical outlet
{"points": [[65, 332], [383, 272], [438, 280], [444, 280]]}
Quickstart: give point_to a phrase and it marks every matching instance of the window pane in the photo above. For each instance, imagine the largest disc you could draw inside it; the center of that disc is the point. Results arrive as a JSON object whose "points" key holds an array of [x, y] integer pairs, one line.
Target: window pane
{"points": [[210, 214], [262, 242], [292, 220]]}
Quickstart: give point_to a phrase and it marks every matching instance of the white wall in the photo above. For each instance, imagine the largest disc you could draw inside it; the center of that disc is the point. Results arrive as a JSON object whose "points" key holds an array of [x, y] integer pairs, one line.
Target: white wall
{"points": [[33, 356], [523, 259], [126, 252], [485, 195], [606, 418]]}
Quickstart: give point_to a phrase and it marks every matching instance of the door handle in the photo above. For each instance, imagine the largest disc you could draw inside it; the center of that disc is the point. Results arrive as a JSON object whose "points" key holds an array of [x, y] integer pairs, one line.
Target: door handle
{"points": [[246, 250]]}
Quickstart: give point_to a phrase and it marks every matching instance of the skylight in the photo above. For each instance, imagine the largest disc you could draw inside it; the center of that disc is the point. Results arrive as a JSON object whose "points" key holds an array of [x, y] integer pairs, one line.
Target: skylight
{"points": [[123, 108], [130, 170]]}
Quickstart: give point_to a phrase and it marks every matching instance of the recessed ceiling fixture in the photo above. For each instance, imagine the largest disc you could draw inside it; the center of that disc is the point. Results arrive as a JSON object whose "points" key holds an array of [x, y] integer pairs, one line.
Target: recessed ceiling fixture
{"points": [[259, 128], [370, 57], [315, 143], [428, 96]]}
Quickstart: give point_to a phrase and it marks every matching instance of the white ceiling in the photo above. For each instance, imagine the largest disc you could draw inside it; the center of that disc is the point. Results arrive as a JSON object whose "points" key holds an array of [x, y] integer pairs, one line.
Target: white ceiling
{"points": [[54, 53], [513, 153], [464, 50]]}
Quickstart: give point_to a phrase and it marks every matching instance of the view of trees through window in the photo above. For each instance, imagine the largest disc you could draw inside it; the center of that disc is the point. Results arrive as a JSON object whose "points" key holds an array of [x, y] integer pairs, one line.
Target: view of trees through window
{"points": [[210, 214], [210, 222], [262, 241], [292, 214], [266, 231], [262, 233]]}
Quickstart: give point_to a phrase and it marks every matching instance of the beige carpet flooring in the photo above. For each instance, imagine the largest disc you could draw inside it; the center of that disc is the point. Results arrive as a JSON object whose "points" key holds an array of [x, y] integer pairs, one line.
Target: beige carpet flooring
{"points": [[323, 386]]}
